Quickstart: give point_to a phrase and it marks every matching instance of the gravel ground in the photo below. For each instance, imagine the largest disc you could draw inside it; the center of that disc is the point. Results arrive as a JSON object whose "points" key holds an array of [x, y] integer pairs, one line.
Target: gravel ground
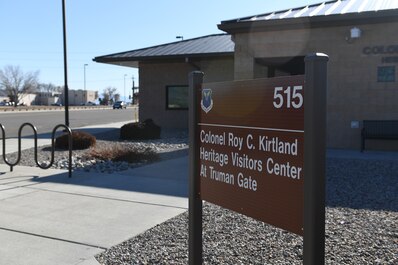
{"points": [[361, 217], [173, 144], [361, 227]]}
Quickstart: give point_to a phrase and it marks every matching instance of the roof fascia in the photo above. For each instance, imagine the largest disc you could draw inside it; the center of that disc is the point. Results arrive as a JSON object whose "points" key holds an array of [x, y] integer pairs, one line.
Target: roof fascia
{"points": [[165, 57], [385, 16]]}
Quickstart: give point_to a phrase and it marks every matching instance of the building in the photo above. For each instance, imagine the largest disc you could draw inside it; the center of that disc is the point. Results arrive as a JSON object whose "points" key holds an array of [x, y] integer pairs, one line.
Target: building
{"points": [[164, 69], [358, 36], [27, 99], [80, 97], [48, 98]]}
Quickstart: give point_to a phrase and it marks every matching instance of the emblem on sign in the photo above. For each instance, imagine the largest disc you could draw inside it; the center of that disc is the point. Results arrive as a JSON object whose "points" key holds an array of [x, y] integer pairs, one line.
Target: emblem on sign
{"points": [[207, 102]]}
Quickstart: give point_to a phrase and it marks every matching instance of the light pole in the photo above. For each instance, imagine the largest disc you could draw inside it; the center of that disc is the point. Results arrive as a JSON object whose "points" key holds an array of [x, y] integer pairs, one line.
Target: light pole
{"points": [[85, 76], [124, 92], [66, 89], [180, 37], [132, 91]]}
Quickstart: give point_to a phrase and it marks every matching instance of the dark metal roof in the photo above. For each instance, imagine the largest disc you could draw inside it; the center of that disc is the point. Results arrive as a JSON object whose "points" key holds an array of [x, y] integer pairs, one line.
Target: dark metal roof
{"points": [[207, 46], [337, 7]]}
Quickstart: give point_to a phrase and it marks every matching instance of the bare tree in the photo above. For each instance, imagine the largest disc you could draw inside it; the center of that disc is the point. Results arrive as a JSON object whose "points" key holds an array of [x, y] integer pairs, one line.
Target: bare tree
{"points": [[108, 95], [16, 83], [50, 88]]}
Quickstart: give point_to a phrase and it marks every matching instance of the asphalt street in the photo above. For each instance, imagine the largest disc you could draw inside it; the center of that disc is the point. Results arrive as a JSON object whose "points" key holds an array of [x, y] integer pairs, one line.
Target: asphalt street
{"points": [[45, 121]]}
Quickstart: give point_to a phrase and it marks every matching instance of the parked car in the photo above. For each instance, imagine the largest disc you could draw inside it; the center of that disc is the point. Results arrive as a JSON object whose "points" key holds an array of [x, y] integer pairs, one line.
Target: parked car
{"points": [[119, 105], [56, 104], [89, 103]]}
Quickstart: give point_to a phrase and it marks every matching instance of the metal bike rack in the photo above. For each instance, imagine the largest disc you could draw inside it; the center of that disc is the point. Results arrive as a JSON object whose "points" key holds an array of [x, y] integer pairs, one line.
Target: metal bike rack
{"points": [[67, 129]]}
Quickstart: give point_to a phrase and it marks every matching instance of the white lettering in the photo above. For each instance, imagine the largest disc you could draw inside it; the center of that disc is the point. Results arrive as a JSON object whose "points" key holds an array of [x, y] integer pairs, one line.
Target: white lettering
{"points": [[213, 156], [221, 176], [294, 97], [285, 170], [244, 161], [277, 146], [249, 143], [247, 183], [235, 141], [203, 170], [209, 138]]}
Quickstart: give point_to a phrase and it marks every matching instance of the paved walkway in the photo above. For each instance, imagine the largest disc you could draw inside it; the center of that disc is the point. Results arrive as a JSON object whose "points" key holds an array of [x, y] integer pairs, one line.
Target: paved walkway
{"points": [[48, 218]]}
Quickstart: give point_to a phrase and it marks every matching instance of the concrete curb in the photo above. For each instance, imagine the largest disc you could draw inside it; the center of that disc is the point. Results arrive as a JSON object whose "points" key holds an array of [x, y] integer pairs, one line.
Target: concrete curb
{"points": [[54, 108]]}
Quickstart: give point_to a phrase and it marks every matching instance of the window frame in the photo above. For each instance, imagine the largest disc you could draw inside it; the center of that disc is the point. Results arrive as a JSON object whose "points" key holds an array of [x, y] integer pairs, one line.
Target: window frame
{"points": [[168, 99], [380, 80]]}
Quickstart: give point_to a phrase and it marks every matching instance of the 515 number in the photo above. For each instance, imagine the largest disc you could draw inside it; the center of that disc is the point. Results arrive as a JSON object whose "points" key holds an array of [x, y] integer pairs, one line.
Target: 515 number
{"points": [[289, 97]]}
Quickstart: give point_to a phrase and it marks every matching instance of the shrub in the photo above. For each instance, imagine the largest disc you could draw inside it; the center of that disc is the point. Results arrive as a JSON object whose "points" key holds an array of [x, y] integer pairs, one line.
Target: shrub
{"points": [[140, 131], [80, 140], [119, 152], [133, 156]]}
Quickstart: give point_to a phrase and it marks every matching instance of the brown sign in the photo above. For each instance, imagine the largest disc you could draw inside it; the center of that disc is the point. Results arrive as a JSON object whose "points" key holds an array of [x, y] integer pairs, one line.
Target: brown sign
{"points": [[251, 148]]}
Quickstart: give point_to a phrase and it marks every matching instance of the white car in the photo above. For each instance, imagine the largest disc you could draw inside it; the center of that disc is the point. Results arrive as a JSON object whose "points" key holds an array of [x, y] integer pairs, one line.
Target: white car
{"points": [[89, 103]]}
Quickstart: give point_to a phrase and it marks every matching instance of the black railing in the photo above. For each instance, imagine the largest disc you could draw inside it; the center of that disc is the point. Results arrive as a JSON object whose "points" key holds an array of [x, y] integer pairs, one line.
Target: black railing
{"points": [[45, 166]]}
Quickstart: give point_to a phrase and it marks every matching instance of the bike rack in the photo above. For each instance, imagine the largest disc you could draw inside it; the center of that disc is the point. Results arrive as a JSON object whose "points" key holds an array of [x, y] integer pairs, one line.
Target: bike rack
{"points": [[67, 129]]}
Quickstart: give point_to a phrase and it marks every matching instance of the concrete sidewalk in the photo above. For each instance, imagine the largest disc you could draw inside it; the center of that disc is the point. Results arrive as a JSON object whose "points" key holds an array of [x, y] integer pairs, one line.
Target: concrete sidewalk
{"points": [[48, 218]]}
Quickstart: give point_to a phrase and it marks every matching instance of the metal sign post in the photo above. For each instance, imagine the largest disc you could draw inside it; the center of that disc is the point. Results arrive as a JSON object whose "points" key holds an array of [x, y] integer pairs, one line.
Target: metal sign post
{"points": [[314, 158], [195, 201]]}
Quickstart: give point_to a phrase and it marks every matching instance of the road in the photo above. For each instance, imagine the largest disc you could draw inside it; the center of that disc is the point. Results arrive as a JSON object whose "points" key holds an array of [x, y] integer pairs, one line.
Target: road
{"points": [[45, 121]]}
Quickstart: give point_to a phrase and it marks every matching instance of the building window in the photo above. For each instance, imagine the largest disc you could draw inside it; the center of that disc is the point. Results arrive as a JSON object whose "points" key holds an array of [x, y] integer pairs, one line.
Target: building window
{"points": [[177, 97], [386, 74]]}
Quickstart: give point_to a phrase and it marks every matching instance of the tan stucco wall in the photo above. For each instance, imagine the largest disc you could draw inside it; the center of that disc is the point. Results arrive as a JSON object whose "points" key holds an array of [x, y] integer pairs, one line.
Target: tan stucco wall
{"points": [[154, 77], [78, 97], [353, 91]]}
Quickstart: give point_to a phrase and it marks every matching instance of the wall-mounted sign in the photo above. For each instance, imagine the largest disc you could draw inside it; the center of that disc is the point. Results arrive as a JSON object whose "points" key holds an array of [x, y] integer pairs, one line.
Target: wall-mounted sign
{"points": [[251, 136], [390, 59], [380, 49], [388, 52]]}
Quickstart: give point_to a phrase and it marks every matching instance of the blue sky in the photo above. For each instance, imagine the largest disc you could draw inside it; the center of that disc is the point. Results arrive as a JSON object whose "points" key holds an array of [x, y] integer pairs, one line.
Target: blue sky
{"points": [[31, 33]]}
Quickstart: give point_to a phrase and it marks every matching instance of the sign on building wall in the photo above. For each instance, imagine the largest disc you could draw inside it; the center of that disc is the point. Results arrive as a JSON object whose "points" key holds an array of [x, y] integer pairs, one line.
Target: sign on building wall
{"points": [[251, 149]]}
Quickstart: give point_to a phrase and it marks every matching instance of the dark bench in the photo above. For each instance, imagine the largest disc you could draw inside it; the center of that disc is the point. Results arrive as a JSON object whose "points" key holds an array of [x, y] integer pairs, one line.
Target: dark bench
{"points": [[379, 129]]}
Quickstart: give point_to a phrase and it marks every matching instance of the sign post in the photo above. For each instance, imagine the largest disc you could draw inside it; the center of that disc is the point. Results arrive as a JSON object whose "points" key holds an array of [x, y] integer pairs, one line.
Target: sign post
{"points": [[314, 158], [258, 148], [195, 202]]}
